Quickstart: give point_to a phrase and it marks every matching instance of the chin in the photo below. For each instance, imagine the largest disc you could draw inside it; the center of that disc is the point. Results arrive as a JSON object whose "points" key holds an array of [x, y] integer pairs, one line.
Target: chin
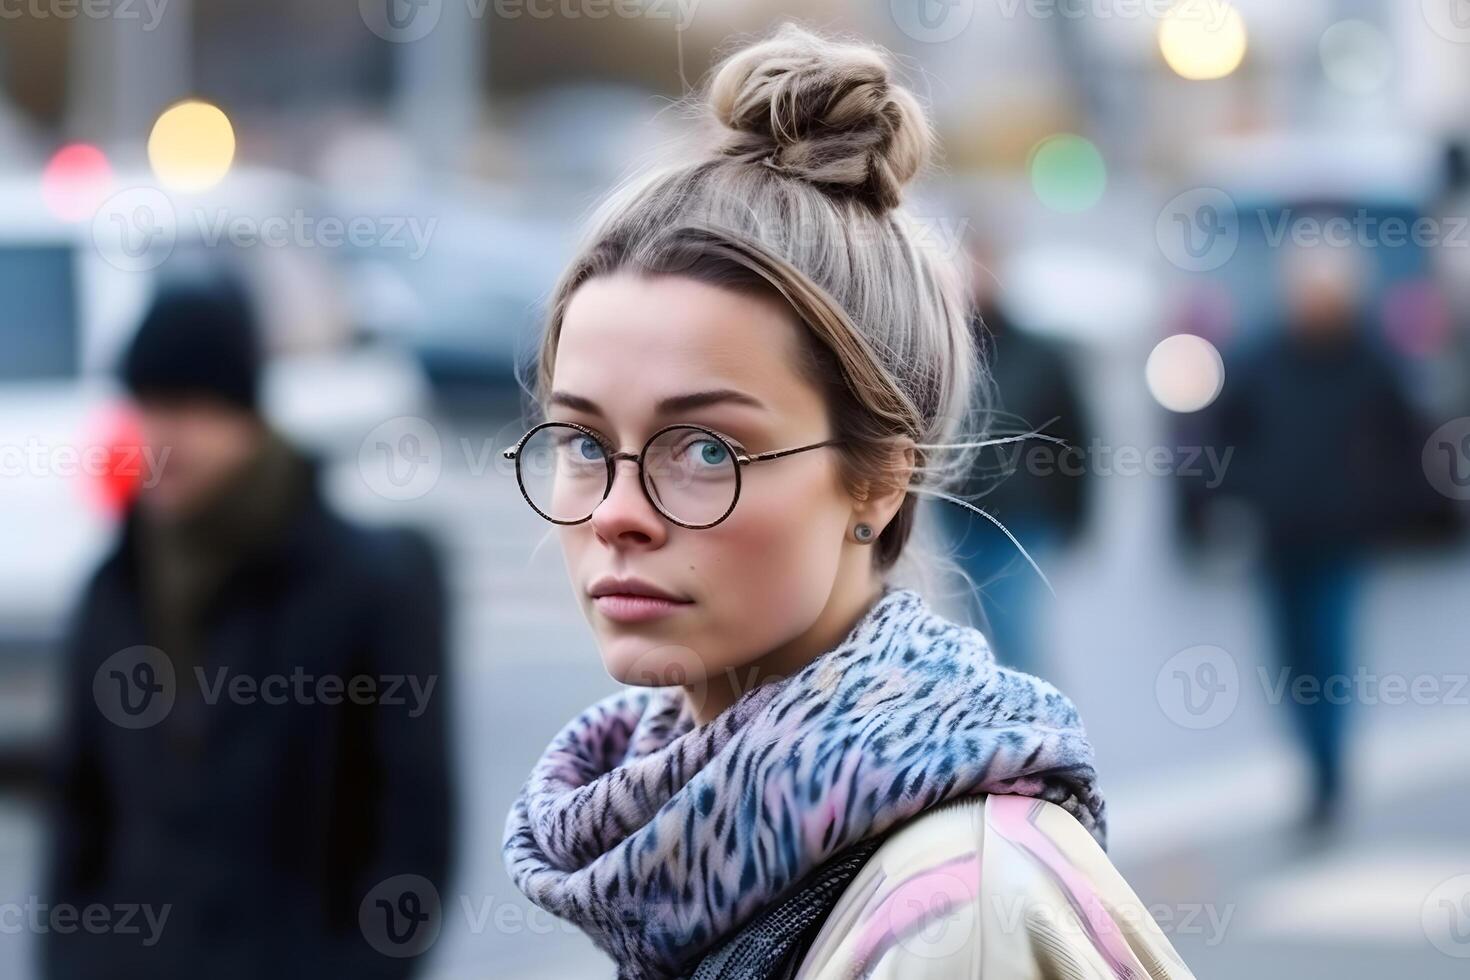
{"points": [[639, 662]]}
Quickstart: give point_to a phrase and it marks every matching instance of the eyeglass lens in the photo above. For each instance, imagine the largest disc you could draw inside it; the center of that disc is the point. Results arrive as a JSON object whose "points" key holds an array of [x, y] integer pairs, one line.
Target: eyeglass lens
{"points": [[690, 475]]}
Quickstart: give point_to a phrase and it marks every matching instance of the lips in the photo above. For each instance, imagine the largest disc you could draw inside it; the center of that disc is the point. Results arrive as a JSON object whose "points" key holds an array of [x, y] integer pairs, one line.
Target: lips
{"points": [[635, 608], [626, 586], [633, 600]]}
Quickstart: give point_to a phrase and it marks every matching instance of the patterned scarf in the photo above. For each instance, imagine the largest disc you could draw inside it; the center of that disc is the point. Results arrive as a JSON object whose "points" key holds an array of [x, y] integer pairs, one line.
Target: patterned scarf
{"points": [[660, 838]]}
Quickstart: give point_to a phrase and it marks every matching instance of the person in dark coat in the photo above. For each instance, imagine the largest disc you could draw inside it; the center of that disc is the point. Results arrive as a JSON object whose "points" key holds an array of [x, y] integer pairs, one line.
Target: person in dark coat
{"points": [[254, 759], [1037, 488], [1323, 438]]}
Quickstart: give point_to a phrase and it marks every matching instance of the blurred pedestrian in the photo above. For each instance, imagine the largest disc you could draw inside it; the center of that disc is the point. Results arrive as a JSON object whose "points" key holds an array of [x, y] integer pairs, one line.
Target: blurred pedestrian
{"points": [[1322, 435], [255, 731], [1036, 487]]}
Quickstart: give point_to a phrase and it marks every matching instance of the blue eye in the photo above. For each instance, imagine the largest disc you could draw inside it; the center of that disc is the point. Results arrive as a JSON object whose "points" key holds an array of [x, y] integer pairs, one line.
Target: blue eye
{"points": [[588, 448], [713, 453]]}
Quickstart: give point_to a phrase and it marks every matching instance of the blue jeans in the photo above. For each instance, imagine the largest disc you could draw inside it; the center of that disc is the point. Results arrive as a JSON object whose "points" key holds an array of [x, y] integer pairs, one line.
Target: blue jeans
{"points": [[1008, 588], [1311, 605]]}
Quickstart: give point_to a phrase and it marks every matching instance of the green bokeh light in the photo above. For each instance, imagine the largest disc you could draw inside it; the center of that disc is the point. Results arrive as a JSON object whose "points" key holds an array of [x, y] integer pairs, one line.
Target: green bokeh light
{"points": [[1068, 173]]}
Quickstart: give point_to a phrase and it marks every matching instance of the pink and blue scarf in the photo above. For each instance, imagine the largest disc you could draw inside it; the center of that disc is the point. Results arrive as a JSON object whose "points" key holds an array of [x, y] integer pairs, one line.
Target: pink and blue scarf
{"points": [[659, 837]]}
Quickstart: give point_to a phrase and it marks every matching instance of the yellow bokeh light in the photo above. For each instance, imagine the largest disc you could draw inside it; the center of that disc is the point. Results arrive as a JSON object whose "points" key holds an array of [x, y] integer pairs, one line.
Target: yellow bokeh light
{"points": [[1202, 39], [192, 146]]}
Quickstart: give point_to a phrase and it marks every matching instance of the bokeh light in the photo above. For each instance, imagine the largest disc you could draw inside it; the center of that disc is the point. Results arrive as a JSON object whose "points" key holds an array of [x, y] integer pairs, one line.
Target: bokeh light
{"points": [[192, 146], [1185, 373], [116, 485], [1202, 39], [1068, 173], [76, 180]]}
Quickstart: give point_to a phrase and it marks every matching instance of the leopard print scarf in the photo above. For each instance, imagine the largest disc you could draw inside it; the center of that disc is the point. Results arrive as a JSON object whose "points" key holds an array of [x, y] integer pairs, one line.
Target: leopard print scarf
{"points": [[659, 838]]}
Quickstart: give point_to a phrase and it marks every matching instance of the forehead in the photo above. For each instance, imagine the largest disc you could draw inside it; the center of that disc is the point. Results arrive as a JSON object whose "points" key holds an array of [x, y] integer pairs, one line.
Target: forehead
{"points": [[628, 341]]}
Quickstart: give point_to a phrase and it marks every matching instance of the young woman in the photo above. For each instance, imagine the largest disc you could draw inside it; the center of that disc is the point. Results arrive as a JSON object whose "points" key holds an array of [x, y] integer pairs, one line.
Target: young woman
{"points": [[751, 373]]}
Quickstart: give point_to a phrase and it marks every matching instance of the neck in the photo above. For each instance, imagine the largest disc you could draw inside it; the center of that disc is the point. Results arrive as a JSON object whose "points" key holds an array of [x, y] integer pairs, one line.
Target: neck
{"points": [[254, 496], [842, 612]]}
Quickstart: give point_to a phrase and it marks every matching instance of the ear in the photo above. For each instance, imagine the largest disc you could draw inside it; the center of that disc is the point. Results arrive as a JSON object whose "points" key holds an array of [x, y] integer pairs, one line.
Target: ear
{"points": [[879, 500]]}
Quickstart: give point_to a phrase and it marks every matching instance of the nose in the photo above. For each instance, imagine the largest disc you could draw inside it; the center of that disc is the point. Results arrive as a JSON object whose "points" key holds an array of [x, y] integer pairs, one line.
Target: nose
{"points": [[625, 515]]}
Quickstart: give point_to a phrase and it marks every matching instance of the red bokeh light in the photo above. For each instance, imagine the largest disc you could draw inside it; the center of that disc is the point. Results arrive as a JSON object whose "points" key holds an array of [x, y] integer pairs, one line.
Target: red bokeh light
{"points": [[76, 181], [117, 429]]}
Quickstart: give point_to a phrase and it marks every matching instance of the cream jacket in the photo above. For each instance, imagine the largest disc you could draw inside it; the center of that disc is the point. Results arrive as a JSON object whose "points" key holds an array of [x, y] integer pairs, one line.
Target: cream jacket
{"points": [[993, 887]]}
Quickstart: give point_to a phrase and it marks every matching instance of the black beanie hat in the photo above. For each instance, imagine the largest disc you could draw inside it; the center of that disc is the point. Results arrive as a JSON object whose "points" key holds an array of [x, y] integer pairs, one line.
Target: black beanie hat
{"points": [[198, 338]]}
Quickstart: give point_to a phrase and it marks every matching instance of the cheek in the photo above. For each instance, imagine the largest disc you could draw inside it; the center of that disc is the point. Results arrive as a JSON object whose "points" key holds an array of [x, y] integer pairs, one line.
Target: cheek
{"points": [[774, 547], [771, 571]]}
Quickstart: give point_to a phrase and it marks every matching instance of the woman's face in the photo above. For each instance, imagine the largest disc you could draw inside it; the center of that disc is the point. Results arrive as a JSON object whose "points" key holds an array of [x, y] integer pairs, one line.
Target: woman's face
{"points": [[761, 578]]}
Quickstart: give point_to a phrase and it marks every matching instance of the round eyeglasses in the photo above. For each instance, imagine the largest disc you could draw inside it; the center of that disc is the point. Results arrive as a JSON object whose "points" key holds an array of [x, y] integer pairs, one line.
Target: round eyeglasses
{"points": [[689, 473]]}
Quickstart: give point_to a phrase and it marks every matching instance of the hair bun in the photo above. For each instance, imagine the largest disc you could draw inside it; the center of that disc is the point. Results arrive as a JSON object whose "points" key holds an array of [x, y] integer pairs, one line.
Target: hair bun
{"points": [[823, 111]]}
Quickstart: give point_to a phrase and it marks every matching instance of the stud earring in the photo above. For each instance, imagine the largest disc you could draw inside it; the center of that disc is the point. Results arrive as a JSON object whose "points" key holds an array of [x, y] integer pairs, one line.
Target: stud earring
{"points": [[863, 533]]}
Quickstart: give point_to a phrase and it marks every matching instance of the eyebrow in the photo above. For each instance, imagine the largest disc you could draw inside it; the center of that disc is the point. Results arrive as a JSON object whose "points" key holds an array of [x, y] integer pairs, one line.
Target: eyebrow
{"points": [[674, 403]]}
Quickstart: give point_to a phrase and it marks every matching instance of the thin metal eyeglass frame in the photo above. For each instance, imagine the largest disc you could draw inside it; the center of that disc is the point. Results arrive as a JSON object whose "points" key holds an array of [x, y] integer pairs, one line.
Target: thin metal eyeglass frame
{"points": [[742, 459]]}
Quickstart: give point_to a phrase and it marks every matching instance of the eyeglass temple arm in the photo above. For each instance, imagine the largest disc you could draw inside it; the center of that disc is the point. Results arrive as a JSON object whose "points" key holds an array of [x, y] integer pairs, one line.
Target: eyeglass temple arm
{"points": [[778, 453]]}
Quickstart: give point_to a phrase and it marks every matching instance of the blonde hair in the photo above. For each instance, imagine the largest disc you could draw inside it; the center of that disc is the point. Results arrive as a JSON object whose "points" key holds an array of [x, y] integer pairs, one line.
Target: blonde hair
{"points": [[800, 195]]}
